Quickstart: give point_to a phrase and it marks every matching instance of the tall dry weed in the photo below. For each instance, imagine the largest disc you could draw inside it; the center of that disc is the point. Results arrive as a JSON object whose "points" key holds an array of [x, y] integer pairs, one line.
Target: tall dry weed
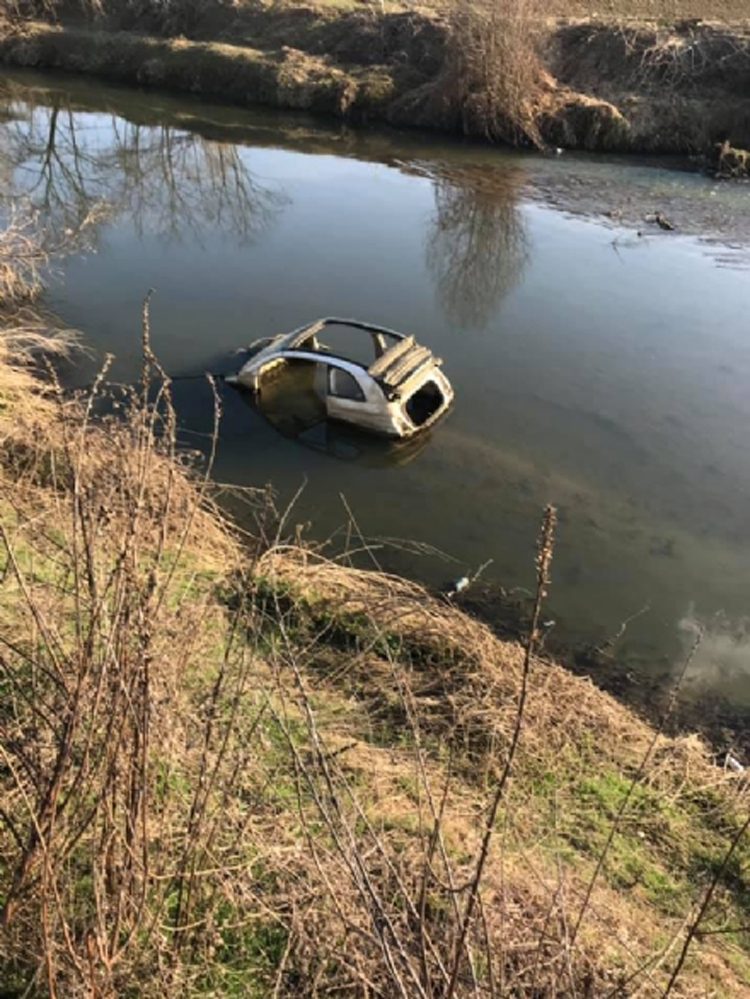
{"points": [[492, 76], [116, 749], [29, 335]]}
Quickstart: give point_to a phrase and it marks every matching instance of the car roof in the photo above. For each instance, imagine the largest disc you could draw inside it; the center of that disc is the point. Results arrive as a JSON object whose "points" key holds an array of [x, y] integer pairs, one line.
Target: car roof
{"points": [[303, 333], [403, 362]]}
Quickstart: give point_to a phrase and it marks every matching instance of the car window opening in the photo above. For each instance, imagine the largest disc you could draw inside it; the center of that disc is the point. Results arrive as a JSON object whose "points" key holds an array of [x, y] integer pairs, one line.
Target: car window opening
{"points": [[342, 385], [425, 402]]}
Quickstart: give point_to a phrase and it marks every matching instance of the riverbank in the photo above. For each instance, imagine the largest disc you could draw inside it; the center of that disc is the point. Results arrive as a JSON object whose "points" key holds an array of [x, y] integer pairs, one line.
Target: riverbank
{"points": [[606, 85], [230, 765]]}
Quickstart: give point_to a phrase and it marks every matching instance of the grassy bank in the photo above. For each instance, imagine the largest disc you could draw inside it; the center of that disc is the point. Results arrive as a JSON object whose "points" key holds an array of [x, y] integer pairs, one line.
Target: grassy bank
{"points": [[230, 766], [510, 76]]}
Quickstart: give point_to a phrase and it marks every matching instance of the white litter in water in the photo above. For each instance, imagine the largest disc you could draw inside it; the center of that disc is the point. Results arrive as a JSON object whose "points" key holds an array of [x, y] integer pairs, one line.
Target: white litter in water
{"points": [[734, 764]]}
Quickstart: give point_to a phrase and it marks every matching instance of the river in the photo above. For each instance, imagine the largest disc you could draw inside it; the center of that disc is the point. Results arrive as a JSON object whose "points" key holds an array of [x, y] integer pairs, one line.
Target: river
{"points": [[599, 363]]}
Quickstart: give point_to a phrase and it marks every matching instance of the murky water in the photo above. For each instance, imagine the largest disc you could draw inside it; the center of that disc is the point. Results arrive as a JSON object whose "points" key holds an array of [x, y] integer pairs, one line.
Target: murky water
{"points": [[598, 368]]}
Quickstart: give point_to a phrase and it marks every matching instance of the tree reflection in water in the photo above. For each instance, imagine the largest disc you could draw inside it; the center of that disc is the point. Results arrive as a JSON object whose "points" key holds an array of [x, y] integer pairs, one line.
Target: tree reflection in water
{"points": [[167, 181], [477, 246], [177, 183]]}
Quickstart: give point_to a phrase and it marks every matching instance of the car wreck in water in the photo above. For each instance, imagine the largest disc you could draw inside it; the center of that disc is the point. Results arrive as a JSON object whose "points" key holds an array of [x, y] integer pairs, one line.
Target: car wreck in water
{"points": [[398, 391]]}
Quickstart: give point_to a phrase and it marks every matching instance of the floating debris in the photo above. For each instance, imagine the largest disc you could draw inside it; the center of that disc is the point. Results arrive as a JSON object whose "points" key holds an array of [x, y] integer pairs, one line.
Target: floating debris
{"points": [[729, 161], [663, 222], [459, 586], [658, 218], [732, 763]]}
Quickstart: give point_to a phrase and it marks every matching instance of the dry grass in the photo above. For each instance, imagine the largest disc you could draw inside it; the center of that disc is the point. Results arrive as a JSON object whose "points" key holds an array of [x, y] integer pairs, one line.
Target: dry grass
{"points": [[99, 588], [465, 680], [433, 701], [27, 333]]}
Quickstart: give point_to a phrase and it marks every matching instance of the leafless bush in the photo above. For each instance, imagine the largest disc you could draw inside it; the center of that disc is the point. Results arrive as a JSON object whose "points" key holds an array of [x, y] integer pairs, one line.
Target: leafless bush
{"points": [[102, 860], [22, 258], [49, 10], [26, 332], [492, 78], [688, 57]]}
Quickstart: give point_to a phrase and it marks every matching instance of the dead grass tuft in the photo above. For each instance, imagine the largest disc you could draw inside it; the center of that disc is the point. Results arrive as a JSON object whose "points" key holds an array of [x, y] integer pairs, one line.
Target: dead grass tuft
{"points": [[29, 336], [493, 77], [463, 677]]}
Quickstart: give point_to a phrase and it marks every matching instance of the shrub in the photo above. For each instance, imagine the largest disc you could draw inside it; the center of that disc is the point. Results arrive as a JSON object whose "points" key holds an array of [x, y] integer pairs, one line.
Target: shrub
{"points": [[492, 76]]}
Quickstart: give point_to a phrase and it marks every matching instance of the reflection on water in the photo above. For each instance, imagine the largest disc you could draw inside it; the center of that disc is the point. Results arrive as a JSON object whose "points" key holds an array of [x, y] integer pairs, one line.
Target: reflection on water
{"points": [[613, 383], [476, 246], [178, 183], [166, 181], [721, 660]]}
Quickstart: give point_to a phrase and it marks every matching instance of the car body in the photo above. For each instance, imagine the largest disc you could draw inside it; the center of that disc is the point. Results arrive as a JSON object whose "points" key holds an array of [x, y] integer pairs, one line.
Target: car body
{"points": [[401, 391]]}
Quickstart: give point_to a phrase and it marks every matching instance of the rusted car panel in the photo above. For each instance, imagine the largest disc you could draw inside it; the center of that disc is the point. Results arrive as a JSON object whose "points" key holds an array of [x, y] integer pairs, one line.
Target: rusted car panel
{"points": [[401, 392]]}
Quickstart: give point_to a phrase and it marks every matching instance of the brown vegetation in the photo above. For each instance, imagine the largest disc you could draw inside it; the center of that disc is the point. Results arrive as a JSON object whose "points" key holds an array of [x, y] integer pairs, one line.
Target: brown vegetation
{"points": [[652, 10], [25, 331], [492, 75], [499, 71]]}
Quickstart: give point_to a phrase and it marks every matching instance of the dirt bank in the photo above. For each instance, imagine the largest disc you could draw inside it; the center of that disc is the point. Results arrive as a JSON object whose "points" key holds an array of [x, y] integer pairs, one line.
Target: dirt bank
{"points": [[662, 10], [680, 88], [646, 88]]}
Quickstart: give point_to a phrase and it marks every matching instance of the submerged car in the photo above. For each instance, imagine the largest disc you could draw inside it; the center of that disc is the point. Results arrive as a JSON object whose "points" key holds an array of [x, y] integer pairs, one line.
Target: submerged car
{"points": [[397, 390]]}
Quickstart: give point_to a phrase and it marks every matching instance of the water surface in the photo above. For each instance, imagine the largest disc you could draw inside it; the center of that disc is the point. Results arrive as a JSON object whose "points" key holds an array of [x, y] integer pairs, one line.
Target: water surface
{"points": [[598, 363]]}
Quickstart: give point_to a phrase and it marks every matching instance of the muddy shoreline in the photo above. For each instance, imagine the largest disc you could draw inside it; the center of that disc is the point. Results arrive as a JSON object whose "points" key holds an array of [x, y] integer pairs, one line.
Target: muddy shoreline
{"points": [[655, 89], [608, 663]]}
